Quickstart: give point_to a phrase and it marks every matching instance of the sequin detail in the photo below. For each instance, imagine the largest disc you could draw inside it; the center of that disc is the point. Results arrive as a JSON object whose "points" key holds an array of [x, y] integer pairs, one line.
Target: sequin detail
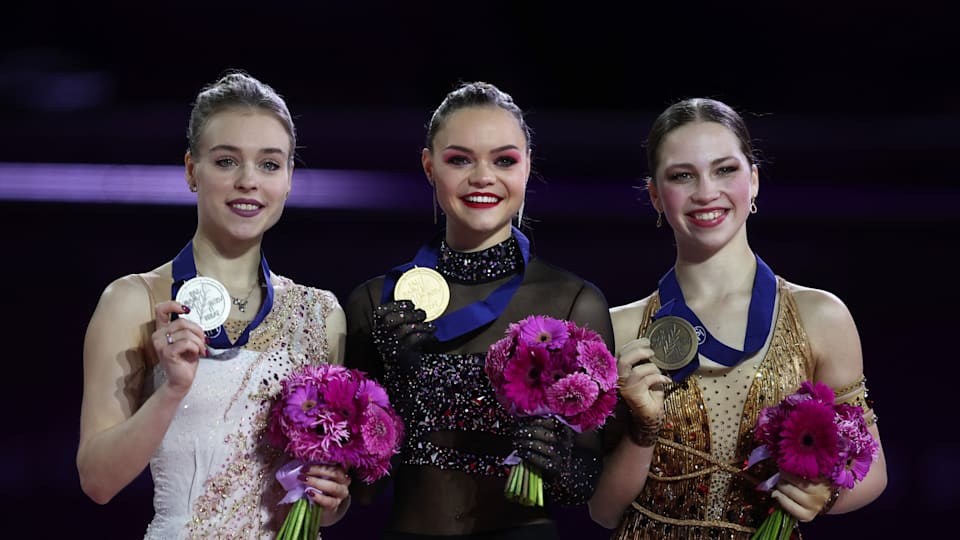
{"points": [[213, 472], [449, 392], [695, 488], [493, 263]]}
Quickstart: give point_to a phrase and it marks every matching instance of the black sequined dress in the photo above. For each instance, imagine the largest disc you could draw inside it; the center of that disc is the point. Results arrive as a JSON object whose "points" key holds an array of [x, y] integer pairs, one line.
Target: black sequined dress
{"points": [[450, 478]]}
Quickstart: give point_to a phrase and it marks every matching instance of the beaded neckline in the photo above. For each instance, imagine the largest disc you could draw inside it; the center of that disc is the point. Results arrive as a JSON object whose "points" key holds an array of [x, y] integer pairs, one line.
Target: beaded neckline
{"points": [[493, 263]]}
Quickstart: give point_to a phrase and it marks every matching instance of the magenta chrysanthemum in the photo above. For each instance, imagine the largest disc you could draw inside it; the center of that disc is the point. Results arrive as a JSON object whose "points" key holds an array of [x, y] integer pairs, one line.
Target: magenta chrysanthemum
{"points": [[808, 447], [598, 413], [598, 363], [572, 394], [545, 331], [380, 433], [769, 425], [497, 358], [858, 447]]}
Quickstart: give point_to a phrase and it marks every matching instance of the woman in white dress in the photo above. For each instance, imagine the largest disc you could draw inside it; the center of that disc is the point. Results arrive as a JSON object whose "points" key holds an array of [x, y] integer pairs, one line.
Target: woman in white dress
{"points": [[193, 405]]}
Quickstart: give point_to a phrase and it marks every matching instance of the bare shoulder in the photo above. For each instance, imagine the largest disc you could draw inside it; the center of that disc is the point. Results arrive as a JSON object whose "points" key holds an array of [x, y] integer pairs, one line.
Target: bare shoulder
{"points": [[833, 336], [125, 303], [626, 320], [819, 305]]}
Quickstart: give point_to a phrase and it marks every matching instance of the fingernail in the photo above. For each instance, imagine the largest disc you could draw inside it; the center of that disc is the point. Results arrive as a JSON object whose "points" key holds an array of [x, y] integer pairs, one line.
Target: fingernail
{"points": [[186, 309], [302, 477]]}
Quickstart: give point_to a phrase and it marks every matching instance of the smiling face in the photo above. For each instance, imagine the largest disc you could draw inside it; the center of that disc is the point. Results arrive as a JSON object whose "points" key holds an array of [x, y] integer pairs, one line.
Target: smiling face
{"points": [[479, 164], [704, 184], [242, 172]]}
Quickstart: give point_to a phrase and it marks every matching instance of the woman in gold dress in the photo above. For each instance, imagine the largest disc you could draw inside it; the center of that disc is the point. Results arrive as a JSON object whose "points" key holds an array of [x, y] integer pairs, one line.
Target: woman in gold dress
{"points": [[674, 459]]}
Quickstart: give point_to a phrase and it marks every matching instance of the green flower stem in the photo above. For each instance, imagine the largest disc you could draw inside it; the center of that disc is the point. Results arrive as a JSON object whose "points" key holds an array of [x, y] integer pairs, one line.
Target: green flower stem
{"points": [[317, 512], [298, 512]]}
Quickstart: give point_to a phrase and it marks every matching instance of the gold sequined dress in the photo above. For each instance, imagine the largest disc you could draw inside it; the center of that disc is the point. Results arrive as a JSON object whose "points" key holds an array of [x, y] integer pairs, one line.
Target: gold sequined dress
{"points": [[695, 488], [213, 472]]}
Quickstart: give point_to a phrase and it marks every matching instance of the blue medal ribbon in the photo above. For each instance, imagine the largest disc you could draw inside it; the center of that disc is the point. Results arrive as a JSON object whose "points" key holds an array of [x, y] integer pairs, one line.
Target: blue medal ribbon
{"points": [[472, 316], [184, 268], [759, 320]]}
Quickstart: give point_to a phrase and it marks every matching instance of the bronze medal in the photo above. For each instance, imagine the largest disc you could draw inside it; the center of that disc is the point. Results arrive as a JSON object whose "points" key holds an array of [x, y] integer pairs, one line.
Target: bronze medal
{"points": [[426, 288], [674, 342]]}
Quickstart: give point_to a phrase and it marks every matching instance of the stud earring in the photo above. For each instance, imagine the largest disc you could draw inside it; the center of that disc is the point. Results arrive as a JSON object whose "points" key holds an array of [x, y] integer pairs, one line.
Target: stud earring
{"points": [[193, 188]]}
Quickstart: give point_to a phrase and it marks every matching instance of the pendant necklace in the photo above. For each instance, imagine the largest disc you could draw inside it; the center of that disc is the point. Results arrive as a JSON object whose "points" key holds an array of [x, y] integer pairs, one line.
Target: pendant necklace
{"points": [[241, 303]]}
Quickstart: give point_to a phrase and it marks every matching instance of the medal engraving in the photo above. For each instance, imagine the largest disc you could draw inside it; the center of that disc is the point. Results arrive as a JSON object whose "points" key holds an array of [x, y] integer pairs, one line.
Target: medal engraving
{"points": [[674, 342], [209, 302], [426, 288]]}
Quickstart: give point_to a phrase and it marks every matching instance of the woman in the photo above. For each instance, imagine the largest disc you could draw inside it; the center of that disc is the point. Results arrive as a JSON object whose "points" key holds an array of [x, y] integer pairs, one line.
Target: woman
{"points": [[673, 469], [451, 477], [159, 390]]}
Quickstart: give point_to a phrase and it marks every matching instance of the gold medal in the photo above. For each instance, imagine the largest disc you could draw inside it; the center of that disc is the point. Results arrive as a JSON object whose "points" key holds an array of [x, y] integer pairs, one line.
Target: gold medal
{"points": [[426, 288], [674, 342]]}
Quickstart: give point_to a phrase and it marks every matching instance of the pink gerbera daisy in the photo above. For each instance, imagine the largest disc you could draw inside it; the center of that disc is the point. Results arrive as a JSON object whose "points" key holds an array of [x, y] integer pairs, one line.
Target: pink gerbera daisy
{"points": [[341, 399], [808, 447], [546, 331], [302, 405], [370, 392], [524, 383]]}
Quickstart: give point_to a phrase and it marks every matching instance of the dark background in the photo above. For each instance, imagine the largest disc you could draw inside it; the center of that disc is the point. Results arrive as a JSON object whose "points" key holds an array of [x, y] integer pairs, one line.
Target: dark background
{"points": [[854, 108]]}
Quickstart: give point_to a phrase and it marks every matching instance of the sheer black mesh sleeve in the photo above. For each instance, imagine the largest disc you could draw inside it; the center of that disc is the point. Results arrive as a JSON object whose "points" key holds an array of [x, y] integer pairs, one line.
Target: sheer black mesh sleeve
{"points": [[575, 485], [361, 352]]}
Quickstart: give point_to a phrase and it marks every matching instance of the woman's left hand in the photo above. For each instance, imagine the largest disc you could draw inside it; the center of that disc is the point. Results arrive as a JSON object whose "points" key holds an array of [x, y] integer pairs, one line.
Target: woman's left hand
{"points": [[544, 442], [331, 483], [803, 499]]}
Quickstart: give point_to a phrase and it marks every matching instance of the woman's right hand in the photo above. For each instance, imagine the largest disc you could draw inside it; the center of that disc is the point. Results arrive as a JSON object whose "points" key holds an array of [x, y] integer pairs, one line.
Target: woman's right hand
{"points": [[178, 344], [400, 332], [641, 382]]}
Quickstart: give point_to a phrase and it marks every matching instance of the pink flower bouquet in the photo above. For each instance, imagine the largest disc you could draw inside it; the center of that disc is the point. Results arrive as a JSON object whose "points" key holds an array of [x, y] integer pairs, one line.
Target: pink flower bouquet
{"points": [[545, 366], [810, 436], [334, 415]]}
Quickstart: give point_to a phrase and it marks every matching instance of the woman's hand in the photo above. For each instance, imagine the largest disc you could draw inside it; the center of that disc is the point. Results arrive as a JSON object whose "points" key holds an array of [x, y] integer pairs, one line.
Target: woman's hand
{"points": [[544, 442], [329, 486], [179, 345], [641, 384], [803, 499], [400, 332]]}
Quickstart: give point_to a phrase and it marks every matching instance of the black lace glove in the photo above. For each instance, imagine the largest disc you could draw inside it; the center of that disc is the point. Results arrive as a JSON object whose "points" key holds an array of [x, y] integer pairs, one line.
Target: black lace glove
{"points": [[400, 333], [569, 472], [545, 443]]}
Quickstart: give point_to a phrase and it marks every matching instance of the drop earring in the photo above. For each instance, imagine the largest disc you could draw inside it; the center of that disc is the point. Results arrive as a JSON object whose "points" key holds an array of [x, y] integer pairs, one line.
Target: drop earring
{"points": [[753, 205], [659, 219]]}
